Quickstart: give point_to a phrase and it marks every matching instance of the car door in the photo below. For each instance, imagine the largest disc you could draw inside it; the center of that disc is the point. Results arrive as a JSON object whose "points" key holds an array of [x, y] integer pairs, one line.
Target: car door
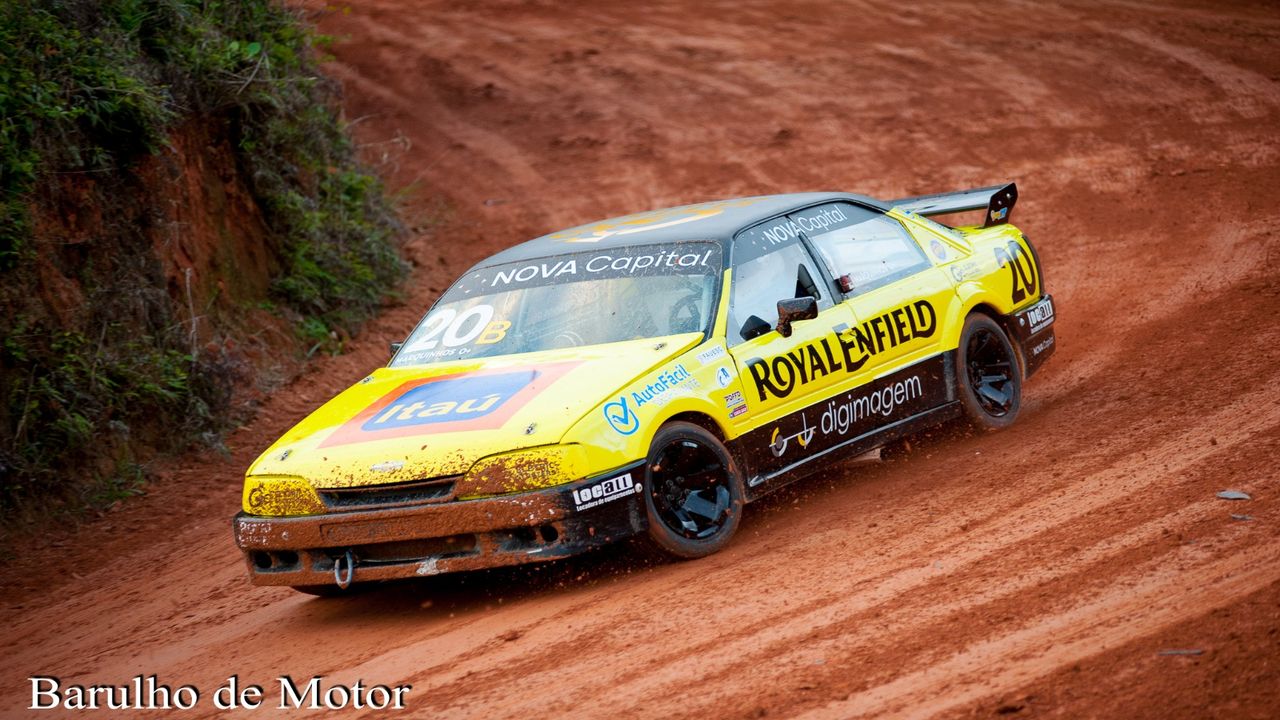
{"points": [[782, 377], [895, 292], [897, 299]]}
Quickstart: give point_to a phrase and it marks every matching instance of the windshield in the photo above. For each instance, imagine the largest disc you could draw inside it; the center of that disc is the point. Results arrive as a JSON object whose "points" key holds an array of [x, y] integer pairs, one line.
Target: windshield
{"points": [[565, 301]]}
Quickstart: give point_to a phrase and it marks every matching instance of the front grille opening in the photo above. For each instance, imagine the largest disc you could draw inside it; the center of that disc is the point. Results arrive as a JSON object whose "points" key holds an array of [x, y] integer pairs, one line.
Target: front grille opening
{"points": [[384, 496]]}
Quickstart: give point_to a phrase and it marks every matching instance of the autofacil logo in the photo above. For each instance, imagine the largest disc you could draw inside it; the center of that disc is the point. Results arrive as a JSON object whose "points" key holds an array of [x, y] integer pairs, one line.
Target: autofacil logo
{"points": [[621, 417], [620, 413]]}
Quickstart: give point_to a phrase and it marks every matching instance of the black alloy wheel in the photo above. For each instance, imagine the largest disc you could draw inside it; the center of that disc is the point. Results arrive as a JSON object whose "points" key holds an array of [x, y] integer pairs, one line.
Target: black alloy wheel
{"points": [[990, 379], [693, 494]]}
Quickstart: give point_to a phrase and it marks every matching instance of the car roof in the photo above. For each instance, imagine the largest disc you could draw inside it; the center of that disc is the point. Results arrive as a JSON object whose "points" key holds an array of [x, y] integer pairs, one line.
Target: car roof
{"points": [[717, 221]]}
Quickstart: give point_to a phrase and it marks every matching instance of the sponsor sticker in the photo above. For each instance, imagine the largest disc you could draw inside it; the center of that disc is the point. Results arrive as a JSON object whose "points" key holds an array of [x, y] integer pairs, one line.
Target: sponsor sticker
{"points": [[738, 410], [621, 413], [448, 403], [724, 377], [1040, 316], [778, 442], [962, 271], [939, 250], [621, 417], [733, 398], [818, 220], [840, 415], [706, 357], [1042, 346], [585, 498], [845, 351]]}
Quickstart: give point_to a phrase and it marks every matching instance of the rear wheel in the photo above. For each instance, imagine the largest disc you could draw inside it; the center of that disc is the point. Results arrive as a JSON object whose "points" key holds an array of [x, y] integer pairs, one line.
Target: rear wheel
{"points": [[990, 382], [693, 492]]}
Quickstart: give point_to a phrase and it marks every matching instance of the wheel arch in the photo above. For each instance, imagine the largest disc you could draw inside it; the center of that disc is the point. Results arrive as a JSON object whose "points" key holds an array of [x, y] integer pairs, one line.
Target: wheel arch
{"points": [[701, 419], [1006, 324], [708, 422]]}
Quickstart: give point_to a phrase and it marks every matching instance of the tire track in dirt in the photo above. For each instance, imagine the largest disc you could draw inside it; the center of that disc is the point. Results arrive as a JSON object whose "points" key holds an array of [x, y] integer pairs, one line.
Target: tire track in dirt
{"points": [[731, 645]]}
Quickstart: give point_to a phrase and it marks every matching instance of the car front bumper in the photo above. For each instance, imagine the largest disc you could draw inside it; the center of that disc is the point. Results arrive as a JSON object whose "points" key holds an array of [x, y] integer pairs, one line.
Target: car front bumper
{"points": [[434, 538]]}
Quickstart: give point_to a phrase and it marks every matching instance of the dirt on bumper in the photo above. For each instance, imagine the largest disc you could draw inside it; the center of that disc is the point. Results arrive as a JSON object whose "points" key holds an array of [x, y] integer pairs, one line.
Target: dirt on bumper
{"points": [[429, 539]]}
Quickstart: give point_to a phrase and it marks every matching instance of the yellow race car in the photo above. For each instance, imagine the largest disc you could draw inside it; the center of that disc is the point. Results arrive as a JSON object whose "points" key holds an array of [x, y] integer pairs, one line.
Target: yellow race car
{"points": [[651, 375]]}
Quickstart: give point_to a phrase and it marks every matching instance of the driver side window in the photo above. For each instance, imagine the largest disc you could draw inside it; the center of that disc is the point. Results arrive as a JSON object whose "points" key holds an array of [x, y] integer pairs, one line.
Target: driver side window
{"points": [[760, 282]]}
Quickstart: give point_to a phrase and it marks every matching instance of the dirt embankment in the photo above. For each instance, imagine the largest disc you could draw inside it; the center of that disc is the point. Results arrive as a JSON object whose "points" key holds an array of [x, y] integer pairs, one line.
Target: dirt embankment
{"points": [[1041, 571]]}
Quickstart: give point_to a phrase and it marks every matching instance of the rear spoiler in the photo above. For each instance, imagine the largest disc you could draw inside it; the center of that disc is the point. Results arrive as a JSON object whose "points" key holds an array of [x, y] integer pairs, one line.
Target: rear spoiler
{"points": [[997, 200]]}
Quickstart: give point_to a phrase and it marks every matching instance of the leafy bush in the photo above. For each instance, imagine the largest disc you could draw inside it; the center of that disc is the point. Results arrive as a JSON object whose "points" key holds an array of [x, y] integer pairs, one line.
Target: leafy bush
{"points": [[91, 87]]}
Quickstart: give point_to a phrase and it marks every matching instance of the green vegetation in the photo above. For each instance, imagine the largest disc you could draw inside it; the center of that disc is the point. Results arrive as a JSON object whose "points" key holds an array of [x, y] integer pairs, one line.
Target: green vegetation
{"points": [[89, 89]]}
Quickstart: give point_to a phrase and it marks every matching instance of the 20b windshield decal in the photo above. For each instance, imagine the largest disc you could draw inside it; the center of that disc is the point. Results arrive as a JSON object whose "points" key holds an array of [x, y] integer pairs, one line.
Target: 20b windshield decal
{"points": [[454, 329]]}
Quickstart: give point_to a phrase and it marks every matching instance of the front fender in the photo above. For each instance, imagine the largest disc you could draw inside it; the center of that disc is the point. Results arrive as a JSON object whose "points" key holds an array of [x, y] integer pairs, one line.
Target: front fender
{"points": [[620, 429]]}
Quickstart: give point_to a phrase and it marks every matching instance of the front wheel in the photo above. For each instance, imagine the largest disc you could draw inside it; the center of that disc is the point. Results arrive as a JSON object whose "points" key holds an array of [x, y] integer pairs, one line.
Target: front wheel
{"points": [[693, 492], [989, 380]]}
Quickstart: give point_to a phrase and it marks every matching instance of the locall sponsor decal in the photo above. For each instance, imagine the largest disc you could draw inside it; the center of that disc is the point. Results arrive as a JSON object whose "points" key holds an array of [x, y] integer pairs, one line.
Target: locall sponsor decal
{"points": [[585, 498], [847, 349], [1041, 315]]}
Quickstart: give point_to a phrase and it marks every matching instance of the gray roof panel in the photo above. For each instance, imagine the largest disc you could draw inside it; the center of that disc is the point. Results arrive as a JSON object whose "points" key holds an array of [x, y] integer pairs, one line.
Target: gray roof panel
{"points": [[719, 221]]}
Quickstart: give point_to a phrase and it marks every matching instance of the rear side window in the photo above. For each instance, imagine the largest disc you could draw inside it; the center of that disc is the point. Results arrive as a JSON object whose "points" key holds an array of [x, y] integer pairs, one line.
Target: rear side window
{"points": [[767, 269], [871, 249]]}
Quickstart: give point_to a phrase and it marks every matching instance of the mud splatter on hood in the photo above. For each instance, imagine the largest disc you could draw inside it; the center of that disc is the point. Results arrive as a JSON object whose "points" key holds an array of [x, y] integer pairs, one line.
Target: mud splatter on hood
{"points": [[402, 424]]}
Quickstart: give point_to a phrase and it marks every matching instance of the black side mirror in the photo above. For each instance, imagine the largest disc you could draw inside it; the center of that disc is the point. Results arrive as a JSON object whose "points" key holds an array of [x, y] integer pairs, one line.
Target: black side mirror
{"points": [[395, 347], [793, 309]]}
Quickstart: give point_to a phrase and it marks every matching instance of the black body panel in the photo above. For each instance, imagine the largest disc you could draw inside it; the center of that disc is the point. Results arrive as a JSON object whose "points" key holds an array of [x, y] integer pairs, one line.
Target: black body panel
{"points": [[1033, 334], [853, 422]]}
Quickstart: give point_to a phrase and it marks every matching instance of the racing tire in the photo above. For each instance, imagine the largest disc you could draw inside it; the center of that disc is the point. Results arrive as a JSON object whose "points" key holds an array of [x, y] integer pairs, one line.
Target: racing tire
{"points": [[693, 492], [988, 378]]}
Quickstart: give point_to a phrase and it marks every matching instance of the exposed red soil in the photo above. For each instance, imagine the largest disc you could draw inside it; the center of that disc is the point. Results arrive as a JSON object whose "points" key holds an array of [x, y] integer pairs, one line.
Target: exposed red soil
{"points": [[1041, 571]]}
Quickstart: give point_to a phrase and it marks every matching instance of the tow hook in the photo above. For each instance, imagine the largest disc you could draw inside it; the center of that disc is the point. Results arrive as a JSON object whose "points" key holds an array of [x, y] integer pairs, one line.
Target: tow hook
{"points": [[344, 581]]}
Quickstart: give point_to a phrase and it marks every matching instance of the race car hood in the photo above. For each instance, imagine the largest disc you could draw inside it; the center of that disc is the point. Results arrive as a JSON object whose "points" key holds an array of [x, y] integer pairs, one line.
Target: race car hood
{"points": [[411, 423]]}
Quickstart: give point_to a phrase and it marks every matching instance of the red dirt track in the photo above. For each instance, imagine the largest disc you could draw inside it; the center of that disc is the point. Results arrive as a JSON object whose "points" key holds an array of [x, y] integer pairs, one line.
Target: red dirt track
{"points": [[1036, 572]]}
